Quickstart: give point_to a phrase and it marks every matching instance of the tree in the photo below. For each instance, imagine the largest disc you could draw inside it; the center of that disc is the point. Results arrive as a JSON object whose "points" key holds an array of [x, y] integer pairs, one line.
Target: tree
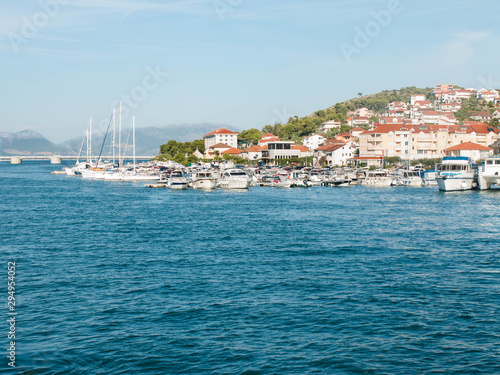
{"points": [[360, 94], [251, 136]]}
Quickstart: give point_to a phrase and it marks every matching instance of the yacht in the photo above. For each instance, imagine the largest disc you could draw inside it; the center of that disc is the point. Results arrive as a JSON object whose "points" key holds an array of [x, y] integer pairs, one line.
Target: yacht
{"points": [[203, 180], [489, 173], [234, 179], [377, 178], [177, 181], [456, 173]]}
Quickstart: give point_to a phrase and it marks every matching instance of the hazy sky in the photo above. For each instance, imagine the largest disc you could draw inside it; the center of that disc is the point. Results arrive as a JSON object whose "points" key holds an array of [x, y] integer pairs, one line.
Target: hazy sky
{"points": [[245, 63]]}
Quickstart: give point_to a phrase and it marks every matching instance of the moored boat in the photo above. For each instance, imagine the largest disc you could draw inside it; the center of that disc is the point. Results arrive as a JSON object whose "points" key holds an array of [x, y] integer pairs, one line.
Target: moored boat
{"points": [[489, 173], [203, 180], [456, 173], [376, 178], [234, 179]]}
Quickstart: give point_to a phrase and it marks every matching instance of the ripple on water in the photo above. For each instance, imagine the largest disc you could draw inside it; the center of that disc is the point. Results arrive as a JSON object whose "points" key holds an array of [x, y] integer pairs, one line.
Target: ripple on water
{"points": [[115, 278]]}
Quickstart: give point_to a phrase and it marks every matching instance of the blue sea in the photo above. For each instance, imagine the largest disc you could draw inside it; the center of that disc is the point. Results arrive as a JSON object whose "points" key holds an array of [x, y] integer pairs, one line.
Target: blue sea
{"points": [[115, 278]]}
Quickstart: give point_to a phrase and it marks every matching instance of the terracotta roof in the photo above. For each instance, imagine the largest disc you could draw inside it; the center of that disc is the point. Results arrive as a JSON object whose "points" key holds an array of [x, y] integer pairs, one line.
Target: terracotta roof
{"points": [[429, 112], [468, 146], [221, 131], [329, 147], [300, 148], [232, 151], [482, 114], [357, 129], [220, 145], [253, 149]]}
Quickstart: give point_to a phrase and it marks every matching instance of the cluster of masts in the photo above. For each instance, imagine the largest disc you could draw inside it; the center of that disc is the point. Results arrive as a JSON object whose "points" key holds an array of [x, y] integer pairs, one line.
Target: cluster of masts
{"points": [[88, 139]]}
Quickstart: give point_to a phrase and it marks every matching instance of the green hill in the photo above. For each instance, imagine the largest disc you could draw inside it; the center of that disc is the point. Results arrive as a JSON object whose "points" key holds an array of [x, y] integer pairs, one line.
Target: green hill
{"points": [[297, 128]]}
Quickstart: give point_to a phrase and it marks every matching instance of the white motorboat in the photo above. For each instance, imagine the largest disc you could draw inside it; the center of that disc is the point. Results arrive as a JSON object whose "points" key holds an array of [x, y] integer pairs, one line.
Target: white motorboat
{"points": [[409, 178], [177, 181], [377, 178], [234, 179], [456, 173], [489, 173], [429, 178], [203, 180]]}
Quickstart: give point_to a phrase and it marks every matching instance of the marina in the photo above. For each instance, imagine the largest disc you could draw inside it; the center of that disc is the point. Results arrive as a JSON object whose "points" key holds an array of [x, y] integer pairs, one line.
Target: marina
{"points": [[453, 174]]}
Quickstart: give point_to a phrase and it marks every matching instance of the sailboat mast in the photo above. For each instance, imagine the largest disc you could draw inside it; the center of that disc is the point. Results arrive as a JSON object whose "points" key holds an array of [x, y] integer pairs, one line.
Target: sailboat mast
{"points": [[133, 136], [114, 129], [120, 137], [90, 139], [87, 137]]}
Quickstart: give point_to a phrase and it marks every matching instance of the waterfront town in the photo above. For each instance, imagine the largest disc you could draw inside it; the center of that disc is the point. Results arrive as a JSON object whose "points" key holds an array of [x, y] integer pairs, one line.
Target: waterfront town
{"points": [[418, 129], [415, 143]]}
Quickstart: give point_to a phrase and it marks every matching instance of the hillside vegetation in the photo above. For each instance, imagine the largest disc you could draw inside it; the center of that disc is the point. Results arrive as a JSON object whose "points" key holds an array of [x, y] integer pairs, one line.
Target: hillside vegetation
{"points": [[297, 128]]}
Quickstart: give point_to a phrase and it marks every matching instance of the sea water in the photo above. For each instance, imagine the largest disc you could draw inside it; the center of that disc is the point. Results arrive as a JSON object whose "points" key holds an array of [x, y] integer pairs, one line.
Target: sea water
{"points": [[115, 278]]}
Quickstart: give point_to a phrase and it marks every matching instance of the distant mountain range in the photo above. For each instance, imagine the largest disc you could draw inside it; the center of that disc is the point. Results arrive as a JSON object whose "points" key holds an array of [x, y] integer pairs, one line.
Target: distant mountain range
{"points": [[148, 141]]}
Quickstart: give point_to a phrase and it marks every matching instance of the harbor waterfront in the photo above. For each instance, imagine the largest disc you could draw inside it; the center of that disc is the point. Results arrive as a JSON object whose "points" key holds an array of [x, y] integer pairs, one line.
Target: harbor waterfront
{"points": [[114, 278]]}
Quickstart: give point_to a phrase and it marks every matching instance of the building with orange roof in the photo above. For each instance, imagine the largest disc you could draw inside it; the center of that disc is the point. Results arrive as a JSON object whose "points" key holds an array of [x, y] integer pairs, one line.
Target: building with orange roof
{"points": [[221, 135], [232, 151], [469, 149], [252, 153], [304, 151], [335, 153], [216, 150], [266, 138], [415, 141]]}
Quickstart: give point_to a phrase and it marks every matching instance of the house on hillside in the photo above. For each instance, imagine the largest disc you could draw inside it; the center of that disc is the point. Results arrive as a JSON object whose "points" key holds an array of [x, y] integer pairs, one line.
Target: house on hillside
{"points": [[482, 116], [221, 135], [313, 141], [216, 150]]}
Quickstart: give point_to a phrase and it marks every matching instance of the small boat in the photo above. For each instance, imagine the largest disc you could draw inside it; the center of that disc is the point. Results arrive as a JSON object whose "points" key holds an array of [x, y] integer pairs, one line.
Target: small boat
{"points": [[377, 178], [456, 173], [203, 180], [429, 178], [337, 181], [300, 180], [489, 173], [177, 181], [409, 178], [234, 179], [281, 180]]}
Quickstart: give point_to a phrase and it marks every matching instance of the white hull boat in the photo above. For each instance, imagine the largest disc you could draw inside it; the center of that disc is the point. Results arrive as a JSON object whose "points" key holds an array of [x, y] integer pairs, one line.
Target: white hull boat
{"points": [[234, 179], [489, 173], [456, 174]]}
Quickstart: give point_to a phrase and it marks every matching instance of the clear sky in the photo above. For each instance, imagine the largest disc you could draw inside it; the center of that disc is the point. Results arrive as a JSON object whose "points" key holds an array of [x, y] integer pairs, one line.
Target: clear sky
{"points": [[245, 63]]}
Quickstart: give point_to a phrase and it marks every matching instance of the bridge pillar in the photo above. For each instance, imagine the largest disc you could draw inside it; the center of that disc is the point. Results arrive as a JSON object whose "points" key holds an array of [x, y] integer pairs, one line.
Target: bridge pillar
{"points": [[55, 160], [16, 160]]}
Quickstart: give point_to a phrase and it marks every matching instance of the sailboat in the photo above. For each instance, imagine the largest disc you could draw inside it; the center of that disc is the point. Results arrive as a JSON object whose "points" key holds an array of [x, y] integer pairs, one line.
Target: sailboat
{"points": [[82, 166], [133, 174]]}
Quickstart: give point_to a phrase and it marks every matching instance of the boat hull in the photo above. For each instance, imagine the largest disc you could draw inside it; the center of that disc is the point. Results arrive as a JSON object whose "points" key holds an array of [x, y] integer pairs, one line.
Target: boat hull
{"points": [[455, 183], [235, 184], [204, 184]]}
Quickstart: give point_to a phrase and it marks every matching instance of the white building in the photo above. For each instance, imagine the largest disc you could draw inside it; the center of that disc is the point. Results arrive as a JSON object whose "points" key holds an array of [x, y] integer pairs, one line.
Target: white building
{"points": [[328, 125], [417, 98], [313, 141], [278, 150], [221, 136], [335, 153], [470, 150]]}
